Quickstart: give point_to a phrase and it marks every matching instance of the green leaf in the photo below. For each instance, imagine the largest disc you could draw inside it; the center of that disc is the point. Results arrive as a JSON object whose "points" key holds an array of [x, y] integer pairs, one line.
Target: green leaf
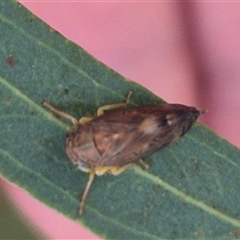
{"points": [[10, 220], [191, 189]]}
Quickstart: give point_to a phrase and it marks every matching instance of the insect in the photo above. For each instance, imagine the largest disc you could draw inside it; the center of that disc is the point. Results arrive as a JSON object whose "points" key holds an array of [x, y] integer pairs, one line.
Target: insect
{"points": [[114, 139]]}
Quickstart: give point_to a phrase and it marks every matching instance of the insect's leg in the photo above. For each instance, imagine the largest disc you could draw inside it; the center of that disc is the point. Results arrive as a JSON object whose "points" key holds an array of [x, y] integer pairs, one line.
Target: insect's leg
{"points": [[83, 120], [101, 170], [86, 190], [118, 170], [60, 113], [101, 110], [144, 164]]}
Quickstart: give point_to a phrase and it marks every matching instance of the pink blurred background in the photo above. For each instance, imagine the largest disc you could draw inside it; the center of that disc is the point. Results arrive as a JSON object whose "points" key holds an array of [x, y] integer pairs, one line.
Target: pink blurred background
{"points": [[184, 52]]}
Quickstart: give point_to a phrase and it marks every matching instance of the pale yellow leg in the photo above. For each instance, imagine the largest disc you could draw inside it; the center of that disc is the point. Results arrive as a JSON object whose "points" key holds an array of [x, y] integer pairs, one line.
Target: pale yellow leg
{"points": [[101, 170], [60, 113], [98, 171], [144, 164], [86, 190], [111, 169], [85, 119], [117, 170], [101, 110]]}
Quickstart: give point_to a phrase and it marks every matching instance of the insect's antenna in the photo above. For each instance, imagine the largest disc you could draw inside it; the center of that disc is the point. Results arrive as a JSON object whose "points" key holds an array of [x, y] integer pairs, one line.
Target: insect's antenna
{"points": [[86, 190], [60, 113], [203, 111]]}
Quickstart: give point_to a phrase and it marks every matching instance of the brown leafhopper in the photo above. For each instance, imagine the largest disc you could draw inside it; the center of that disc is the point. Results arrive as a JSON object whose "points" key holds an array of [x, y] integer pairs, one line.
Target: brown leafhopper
{"points": [[120, 136]]}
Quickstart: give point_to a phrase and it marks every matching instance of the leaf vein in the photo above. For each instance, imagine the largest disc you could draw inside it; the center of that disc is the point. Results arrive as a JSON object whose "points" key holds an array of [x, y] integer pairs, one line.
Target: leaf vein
{"points": [[186, 197]]}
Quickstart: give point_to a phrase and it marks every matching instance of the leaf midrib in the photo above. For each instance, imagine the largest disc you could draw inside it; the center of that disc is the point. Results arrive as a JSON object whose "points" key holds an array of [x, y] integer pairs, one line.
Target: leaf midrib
{"points": [[212, 150], [186, 197], [35, 106]]}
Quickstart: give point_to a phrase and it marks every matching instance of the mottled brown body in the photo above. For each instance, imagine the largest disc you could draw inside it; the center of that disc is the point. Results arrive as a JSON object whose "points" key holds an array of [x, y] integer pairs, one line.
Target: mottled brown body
{"points": [[123, 136], [113, 140]]}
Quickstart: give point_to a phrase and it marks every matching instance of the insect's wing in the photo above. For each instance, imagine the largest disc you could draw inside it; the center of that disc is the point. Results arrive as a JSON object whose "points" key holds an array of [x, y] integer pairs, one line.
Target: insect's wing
{"points": [[127, 135]]}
